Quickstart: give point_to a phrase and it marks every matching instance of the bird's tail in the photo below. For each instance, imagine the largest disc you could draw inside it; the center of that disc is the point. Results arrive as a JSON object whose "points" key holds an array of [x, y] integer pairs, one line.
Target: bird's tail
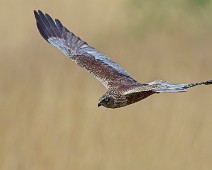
{"points": [[164, 86]]}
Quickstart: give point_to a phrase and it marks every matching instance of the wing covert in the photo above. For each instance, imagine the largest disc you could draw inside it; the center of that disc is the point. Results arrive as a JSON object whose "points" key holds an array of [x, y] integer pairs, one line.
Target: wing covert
{"points": [[102, 67]]}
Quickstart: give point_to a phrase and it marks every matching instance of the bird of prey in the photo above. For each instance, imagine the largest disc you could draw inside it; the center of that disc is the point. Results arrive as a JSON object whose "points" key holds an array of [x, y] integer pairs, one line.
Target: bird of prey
{"points": [[122, 89]]}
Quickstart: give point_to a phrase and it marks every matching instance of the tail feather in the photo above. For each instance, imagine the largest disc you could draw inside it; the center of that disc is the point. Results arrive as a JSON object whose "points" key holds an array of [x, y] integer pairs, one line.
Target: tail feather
{"points": [[164, 86]]}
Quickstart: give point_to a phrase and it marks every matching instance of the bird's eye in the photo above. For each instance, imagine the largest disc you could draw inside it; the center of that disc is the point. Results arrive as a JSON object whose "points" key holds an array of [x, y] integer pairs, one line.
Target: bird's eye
{"points": [[106, 99]]}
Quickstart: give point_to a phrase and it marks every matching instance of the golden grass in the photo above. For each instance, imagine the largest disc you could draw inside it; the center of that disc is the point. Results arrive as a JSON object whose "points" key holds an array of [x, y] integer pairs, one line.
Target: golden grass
{"points": [[49, 117]]}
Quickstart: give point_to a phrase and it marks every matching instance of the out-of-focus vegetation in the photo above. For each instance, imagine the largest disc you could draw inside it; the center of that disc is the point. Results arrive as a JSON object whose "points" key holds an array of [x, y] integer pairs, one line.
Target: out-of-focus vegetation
{"points": [[49, 117]]}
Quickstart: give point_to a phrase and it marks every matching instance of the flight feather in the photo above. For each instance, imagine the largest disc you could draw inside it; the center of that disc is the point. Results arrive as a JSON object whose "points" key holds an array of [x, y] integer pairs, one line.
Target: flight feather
{"points": [[110, 74]]}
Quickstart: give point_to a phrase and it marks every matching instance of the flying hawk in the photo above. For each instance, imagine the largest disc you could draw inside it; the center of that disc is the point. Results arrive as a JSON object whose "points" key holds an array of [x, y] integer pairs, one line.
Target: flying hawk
{"points": [[122, 89]]}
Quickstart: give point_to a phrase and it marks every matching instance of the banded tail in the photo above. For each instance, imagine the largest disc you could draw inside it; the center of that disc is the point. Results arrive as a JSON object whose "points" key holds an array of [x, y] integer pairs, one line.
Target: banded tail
{"points": [[164, 86]]}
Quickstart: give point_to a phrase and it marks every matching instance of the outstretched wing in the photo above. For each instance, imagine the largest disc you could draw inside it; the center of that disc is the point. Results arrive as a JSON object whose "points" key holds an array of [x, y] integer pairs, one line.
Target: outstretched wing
{"points": [[163, 86], [102, 67]]}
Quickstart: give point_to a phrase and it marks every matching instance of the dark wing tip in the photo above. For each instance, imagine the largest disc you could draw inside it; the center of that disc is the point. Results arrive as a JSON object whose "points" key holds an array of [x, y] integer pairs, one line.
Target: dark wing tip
{"points": [[209, 82], [47, 26], [50, 28], [41, 25]]}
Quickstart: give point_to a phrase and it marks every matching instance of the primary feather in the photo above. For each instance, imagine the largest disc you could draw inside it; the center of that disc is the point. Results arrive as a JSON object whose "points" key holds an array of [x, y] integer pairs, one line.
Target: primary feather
{"points": [[101, 66]]}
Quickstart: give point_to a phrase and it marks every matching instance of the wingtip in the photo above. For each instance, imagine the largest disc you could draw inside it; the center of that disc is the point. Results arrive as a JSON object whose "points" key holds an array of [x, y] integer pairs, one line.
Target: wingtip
{"points": [[40, 12], [209, 82], [41, 25], [35, 13]]}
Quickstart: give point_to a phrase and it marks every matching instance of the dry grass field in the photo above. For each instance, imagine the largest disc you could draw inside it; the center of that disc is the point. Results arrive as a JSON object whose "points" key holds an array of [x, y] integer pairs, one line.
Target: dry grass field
{"points": [[49, 119]]}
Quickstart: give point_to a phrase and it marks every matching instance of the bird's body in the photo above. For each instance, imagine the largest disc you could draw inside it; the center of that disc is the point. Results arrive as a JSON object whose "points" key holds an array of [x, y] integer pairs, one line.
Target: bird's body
{"points": [[123, 90]]}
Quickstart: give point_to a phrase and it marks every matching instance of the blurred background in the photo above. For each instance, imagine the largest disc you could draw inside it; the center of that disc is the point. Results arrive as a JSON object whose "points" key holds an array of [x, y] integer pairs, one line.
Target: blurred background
{"points": [[49, 118]]}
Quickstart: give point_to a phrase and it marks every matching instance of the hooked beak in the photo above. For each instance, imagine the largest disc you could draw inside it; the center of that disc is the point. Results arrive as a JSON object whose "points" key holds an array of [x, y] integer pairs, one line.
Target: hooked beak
{"points": [[99, 104]]}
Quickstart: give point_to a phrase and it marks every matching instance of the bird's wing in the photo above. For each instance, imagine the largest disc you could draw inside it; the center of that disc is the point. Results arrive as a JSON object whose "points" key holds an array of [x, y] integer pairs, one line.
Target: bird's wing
{"points": [[165, 86], [110, 74], [138, 89], [157, 87], [160, 86]]}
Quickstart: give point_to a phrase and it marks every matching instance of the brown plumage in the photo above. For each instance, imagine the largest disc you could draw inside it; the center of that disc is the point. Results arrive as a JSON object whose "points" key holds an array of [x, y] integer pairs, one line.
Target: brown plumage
{"points": [[122, 88]]}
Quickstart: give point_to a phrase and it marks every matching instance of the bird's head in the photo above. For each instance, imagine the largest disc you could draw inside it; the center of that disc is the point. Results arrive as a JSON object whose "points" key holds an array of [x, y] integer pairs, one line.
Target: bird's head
{"points": [[112, 99], [107, 100]]}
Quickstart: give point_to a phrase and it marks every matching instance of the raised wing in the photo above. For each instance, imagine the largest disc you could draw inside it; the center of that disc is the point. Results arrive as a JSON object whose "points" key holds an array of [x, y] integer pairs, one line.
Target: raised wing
{"points": [[102, 67]]}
